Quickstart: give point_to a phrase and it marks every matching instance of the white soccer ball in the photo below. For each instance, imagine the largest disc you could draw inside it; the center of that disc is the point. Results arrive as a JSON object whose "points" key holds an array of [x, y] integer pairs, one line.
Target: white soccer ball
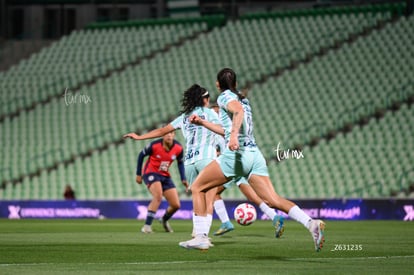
{"points": [[245, 214]]}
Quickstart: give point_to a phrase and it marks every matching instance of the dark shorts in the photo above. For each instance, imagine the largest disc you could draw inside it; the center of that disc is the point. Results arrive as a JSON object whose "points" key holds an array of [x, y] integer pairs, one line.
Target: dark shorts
{"points": [[166, 182]]}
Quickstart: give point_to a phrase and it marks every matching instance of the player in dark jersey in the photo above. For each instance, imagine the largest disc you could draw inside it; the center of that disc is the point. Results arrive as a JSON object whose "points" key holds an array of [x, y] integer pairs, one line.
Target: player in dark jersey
{"points": [[161, 153]]}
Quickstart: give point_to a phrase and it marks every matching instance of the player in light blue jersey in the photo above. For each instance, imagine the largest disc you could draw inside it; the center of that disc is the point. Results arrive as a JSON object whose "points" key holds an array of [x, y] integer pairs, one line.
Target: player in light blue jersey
{"points": [[248, 192], [241, 158], [200, 142]]}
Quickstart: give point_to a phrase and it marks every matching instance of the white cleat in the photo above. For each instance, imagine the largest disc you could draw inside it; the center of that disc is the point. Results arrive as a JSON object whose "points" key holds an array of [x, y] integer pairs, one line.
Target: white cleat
{"points": [[146, 229], [317, 230], [166, 225], [210, 244], [200, 242]]}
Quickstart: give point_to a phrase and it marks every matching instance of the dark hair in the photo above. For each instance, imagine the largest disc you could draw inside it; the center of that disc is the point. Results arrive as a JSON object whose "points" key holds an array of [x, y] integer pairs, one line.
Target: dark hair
{"points": [[227, 81], [214, 105], [193, 97]]}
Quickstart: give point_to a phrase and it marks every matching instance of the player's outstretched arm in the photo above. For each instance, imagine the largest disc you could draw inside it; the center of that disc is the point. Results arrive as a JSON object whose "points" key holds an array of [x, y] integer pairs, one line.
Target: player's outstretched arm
{"points": [[152, 134], [216, 128]]}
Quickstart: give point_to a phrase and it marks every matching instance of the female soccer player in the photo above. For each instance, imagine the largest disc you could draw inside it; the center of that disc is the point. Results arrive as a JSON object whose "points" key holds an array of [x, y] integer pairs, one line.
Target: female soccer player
{"points": [[200, 142], [247, 190], [241, 158], [162, 153]]}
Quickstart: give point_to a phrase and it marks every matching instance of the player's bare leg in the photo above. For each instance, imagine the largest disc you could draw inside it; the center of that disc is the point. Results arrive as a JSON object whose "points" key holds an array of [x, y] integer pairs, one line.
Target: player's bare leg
{"points": [[264, 189], [210, 177], [156, 191], [277, 220], [173, 200]]}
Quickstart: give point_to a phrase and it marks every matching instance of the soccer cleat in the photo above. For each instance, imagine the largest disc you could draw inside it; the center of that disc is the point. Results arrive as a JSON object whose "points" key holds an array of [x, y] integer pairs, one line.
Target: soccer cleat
{"points": [[166, 225], [200, 242], [193, 234], [316, 229], [279, 224], [224, 228], [210, 244], [146, 229]]}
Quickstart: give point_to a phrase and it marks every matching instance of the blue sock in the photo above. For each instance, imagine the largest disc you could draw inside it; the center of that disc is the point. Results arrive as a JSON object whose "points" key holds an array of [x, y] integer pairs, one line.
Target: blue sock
{"points": [[150, 217]]}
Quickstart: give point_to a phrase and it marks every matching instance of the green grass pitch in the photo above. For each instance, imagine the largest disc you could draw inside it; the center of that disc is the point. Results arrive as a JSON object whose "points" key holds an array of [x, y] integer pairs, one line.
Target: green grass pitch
{"points": [[118, 247]]}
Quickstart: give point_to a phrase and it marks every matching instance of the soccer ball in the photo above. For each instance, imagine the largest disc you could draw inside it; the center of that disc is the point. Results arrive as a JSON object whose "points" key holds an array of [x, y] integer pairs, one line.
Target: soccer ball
{"points": [[245, 214]]}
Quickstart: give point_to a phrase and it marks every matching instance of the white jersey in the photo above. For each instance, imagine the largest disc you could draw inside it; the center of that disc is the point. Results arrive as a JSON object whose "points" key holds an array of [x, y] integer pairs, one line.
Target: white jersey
{"points": [[200, 142]]}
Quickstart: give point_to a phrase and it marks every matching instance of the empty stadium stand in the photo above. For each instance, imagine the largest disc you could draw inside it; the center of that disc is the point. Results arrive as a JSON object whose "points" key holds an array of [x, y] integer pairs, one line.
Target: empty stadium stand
{"points": [[335, 83]]}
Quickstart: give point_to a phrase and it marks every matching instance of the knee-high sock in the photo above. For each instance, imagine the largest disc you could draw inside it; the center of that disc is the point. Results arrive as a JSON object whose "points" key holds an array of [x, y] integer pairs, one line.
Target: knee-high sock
{"points": [[270, 212], [298, 215], [150, 217], [221, 211], [200, 225]]}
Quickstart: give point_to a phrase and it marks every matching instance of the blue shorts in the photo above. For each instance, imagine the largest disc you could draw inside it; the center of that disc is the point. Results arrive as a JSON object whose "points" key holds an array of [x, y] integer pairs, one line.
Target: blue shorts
{"points": [[166, 182], [242, 163], [192, 170]]}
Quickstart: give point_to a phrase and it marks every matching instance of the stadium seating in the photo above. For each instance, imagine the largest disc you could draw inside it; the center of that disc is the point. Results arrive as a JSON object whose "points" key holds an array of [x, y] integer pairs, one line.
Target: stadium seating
{"points": [[368, 162], [332, 90], [339, 88], [83, 56]]}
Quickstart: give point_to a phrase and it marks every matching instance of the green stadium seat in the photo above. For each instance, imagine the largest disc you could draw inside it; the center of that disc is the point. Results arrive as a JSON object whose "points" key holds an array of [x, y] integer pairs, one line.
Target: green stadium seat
{"points": [[307, 102]]}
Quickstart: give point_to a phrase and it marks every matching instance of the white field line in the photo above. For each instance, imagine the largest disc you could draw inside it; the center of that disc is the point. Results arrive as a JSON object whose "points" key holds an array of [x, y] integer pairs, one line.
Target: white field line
{"points": [[189, 262]]}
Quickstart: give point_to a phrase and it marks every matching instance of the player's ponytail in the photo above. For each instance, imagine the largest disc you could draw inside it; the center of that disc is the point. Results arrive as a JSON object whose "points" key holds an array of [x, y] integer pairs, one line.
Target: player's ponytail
{"points": [[226, 79]]}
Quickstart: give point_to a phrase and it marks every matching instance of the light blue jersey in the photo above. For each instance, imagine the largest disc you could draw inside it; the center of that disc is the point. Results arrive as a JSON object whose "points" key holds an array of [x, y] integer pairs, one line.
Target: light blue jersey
{"points": [[220, 143], [246, 138], [247, 160], [200, 142]]}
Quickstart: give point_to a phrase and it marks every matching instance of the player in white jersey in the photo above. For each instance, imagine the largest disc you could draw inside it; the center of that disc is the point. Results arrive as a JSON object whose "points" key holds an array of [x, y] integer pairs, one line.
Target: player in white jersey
{"points": [[200, 142], [241, 158]]}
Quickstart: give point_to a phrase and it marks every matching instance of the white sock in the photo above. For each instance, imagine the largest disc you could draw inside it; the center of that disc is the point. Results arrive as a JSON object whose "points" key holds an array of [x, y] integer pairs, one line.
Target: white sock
{"points": [[298, 215], [193, 233], [209, 221], [200, 225], [221, 211], [270, 212]]}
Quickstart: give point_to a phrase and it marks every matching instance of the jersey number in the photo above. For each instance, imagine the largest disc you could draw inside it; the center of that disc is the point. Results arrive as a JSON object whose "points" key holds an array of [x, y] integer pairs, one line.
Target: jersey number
{"points": [[164, 166]]}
